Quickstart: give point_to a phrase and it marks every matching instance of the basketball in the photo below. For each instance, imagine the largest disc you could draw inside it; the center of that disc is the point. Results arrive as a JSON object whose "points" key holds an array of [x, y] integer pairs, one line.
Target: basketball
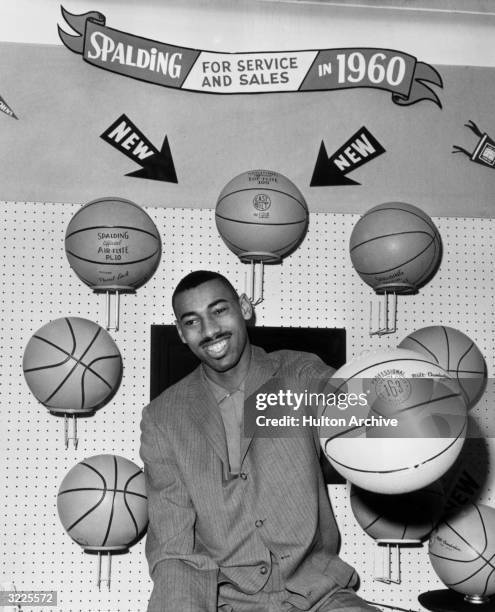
{"points": [[395, 247], [72, 365], [409, 431], [113, 245], [102, 503], [462, 549], [403, 519], [454, 352], [261, 216]]}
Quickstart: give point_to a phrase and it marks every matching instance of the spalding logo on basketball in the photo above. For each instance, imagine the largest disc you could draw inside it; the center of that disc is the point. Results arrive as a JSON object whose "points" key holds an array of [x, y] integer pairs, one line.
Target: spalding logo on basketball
{"points": [[113, 245], [462, 551], [395, 247], [72, 365], [102, 503], [454, 352], [261, 216], [407, 434], [406, 518]]}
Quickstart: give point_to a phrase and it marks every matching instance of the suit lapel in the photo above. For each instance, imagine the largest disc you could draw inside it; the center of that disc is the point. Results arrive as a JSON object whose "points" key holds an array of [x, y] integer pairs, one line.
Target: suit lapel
{"points": [[204, 410], [261, 369]]}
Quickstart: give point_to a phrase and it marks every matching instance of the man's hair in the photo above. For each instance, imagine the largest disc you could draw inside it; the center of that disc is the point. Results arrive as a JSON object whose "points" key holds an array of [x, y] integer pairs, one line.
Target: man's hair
{"points": [[198, 277]]}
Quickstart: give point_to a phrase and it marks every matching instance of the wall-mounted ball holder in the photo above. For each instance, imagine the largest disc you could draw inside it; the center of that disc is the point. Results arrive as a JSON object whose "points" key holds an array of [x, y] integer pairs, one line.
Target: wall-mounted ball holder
{"points": [[262, 217], [102, 504], [73, 367], [114, 247], [395, 248]]}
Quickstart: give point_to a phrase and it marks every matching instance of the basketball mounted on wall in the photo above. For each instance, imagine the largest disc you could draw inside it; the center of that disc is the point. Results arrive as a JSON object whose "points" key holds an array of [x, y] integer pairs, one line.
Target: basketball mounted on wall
{"points": [[395, 248], [72, 366], [113, 246], [102, 504], [395, 521], [262, 217], [407, 519], [456, 353], [462, 550]]}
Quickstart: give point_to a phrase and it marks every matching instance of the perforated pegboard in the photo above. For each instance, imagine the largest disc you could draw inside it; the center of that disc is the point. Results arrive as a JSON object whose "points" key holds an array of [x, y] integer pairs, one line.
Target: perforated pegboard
{"points": [[316, 286]]}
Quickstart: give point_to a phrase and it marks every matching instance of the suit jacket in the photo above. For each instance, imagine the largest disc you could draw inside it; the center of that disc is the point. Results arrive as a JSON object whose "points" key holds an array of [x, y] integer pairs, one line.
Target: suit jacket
{"points": [[206, 528]]}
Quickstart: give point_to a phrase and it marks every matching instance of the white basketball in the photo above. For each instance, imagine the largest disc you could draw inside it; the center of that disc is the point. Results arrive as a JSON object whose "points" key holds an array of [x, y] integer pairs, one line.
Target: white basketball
{"points": [[410, 430]]}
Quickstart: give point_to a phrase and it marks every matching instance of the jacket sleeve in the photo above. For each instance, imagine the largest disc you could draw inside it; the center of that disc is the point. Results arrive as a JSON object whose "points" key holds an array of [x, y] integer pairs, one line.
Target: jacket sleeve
{"points": [[183, 579]]}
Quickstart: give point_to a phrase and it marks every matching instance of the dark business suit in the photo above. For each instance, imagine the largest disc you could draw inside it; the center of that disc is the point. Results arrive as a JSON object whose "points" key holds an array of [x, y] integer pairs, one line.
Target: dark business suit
{"points": [[206, 528]]}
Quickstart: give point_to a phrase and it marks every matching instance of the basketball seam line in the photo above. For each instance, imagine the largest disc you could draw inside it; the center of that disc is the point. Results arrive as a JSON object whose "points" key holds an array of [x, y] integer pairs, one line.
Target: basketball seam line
{"points": [[88, 366], [356, 246], [447, 346], [74, 345], [127, 505], [113, 263], [480, 554], [394, 470], [142, 495], [78, 362], [109, 526], [46, 367], [129, 227], [477, 571], [447, 341], [478, 557], [425, 348], [97, 504], [429, 269], [432, 226], [372, 522], [458, 364], [467, 372], [261, 223], [75, 365], [424, 403], [243, 250], [403, 263]]}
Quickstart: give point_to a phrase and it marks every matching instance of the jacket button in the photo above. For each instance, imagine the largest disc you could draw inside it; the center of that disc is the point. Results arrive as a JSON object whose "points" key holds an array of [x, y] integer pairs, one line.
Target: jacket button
{"points": [[259, 523], [263, 569], [243, 475]]}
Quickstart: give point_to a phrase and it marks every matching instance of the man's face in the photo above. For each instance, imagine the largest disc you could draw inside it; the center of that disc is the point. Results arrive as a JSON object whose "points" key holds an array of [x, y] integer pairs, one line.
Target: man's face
{"points": [[212, 322]]}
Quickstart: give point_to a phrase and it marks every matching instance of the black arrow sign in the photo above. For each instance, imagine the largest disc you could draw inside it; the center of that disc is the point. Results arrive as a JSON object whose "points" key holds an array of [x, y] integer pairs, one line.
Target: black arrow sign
{"points": [[129, 140], [5, 108], [361, 148]]}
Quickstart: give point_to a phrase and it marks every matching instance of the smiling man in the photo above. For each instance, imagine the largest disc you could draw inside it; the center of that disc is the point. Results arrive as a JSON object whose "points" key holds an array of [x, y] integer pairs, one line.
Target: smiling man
{"points": [[236, 523], [211, 320]]}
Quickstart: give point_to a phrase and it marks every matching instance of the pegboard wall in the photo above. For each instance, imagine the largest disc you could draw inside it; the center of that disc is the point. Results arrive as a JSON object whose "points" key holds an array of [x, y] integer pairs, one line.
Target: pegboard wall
{"points": [[316, 287]]}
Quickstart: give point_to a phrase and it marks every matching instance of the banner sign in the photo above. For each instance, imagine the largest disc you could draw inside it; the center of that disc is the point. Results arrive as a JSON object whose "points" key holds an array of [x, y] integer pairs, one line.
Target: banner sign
{"points": [[258, 72]]}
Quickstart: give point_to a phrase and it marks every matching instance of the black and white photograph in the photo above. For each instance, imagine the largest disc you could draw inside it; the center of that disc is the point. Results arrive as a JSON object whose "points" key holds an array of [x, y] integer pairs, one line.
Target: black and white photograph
{"points": [[248, 304]]}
